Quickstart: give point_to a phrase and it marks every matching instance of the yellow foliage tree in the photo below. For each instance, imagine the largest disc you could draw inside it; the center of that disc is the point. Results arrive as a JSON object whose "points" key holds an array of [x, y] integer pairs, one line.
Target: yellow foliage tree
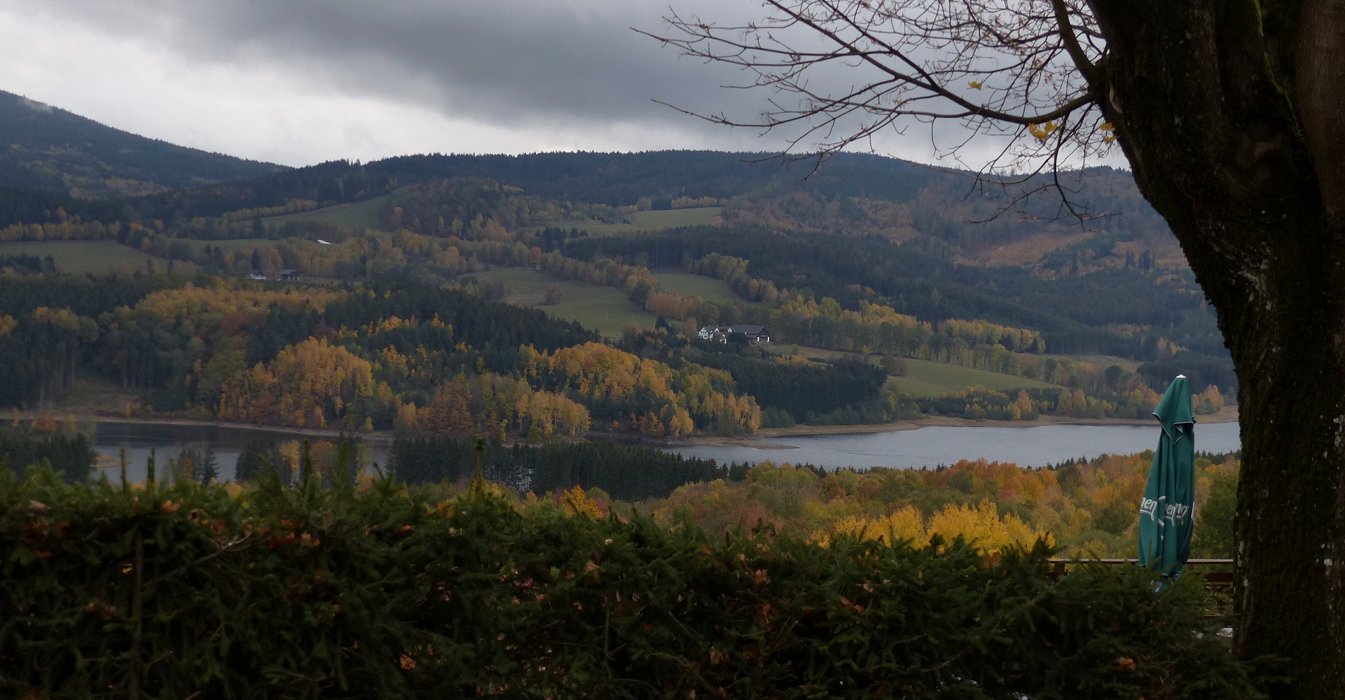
{"points": [[577, 502], [309, 383], [903, 524], [983, 527]]}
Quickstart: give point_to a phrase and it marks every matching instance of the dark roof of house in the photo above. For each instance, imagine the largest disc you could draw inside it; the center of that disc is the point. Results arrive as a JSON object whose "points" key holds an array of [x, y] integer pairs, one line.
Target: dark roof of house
{"points": [[747, 329]]}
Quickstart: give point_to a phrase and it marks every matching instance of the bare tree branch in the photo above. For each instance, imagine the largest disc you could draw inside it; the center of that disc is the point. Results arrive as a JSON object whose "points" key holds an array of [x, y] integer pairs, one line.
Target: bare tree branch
{"points": [[1071, 42], [1008, 69]]}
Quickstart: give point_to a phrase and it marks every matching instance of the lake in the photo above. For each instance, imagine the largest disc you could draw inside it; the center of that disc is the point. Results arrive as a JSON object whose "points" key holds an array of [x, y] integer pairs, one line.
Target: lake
{"points": [[931, 446], [138, 439], [924, 447]]}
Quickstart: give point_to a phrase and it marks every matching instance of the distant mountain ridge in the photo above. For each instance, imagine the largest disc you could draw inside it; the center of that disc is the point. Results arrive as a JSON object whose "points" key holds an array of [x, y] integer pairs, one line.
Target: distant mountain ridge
{"points": [[49, 149], [54, 163]]}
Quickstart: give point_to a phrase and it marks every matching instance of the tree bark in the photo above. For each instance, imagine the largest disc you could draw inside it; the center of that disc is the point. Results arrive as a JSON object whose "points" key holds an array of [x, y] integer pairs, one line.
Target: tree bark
{"points": [[1232, 155]]}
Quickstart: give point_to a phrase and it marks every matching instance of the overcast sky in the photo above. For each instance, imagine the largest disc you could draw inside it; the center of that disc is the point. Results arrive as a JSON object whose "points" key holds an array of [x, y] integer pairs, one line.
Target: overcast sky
{"points": [[303, 81]]}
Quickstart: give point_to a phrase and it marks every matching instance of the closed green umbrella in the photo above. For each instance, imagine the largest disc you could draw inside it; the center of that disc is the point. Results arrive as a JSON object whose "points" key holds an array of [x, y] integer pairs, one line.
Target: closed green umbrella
{"points": [[1169, 497]]}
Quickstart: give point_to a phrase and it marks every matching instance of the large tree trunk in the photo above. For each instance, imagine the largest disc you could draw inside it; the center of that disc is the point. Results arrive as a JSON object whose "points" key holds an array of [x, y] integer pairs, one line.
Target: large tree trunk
{"points": [[1239, 158]]}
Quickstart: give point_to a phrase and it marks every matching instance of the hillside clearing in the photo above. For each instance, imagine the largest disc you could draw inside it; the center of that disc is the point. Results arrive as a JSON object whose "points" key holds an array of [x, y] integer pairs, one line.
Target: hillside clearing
{"points": [[646, 221], [658, 220], [697, 286], [925, 378], [84, 257], [236, 244], [357, 215], [603, 309]]}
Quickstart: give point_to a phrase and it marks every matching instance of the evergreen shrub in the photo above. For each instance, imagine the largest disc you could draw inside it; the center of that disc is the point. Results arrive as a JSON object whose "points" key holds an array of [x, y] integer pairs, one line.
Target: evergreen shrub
{"points": [[388, 591]]}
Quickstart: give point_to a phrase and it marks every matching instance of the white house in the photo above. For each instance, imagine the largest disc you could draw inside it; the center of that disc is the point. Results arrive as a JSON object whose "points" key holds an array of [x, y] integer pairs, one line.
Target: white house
{"points": [[713, 333], [754, 333]]}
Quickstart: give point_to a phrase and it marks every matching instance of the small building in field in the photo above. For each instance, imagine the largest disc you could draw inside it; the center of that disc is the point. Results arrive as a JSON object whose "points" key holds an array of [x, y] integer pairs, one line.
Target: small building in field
{"points": [[288, 275], [753, 333], [716, 333]]}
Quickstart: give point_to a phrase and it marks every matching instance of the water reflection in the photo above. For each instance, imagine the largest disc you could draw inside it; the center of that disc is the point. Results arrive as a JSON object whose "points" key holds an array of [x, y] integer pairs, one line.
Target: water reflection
{"points": [[908, 449], [138, 440]]}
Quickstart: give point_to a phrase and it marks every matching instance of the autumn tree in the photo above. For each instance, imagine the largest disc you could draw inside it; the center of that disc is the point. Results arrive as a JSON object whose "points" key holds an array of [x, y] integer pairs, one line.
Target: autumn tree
{"points": [[646, 395], [309, 384], [1229, 113]]}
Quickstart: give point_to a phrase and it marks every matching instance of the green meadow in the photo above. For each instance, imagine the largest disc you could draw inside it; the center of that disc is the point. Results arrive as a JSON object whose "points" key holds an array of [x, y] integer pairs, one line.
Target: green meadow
{"points": [[925, 378], [699, 286], [812, 353], [357, 215], [657, 220], [244, 244], [597, 229], [653, 220], [82, 257], [929, 379], [603, 309]]}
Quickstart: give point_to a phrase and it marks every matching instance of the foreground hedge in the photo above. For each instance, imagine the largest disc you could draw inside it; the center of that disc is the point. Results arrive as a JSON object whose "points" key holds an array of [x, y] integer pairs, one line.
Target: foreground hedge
{"points": [[390, 592]]}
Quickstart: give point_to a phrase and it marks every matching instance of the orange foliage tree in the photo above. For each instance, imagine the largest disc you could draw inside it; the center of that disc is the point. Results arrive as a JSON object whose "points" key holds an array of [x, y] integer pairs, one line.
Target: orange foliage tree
{"points": [[1086, 508], [643, 394], [309, 384]]}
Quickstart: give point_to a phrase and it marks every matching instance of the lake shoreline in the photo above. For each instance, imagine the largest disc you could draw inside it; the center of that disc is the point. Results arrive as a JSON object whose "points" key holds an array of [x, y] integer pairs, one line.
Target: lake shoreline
{"points": [[380, 436], [762, 438], [915, 445]]}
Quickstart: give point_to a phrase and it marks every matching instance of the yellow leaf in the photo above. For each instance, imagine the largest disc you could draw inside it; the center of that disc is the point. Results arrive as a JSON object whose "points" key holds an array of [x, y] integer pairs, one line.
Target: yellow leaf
{"points": [[1041, 131], [975, 84], [1106, 126]]}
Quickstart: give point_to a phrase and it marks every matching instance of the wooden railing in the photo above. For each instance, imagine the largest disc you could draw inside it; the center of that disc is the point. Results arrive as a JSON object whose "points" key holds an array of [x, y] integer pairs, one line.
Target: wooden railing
{"points": [[1217, 573]]}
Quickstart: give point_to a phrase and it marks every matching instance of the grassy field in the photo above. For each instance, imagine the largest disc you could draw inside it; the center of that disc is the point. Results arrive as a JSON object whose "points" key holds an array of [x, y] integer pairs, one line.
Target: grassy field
{"points": [[244, 244], [810, 352], [82, 257], [357, 215], [596, 229], [699, 286], [603, 309], [673, 218], [927, 379], [1100, 361], [647, 221], [92, 394]]}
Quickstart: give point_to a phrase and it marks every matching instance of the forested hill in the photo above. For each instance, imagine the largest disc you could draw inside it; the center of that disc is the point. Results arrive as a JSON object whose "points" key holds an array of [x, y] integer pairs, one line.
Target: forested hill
{"points": [[979, 220], [889, 288], [50, 149], [60, 160]]}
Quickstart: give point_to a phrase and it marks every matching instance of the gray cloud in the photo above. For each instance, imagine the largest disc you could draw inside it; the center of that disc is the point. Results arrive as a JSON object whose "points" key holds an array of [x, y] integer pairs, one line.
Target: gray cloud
{"points": [[367, 79], [503, 61]]}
